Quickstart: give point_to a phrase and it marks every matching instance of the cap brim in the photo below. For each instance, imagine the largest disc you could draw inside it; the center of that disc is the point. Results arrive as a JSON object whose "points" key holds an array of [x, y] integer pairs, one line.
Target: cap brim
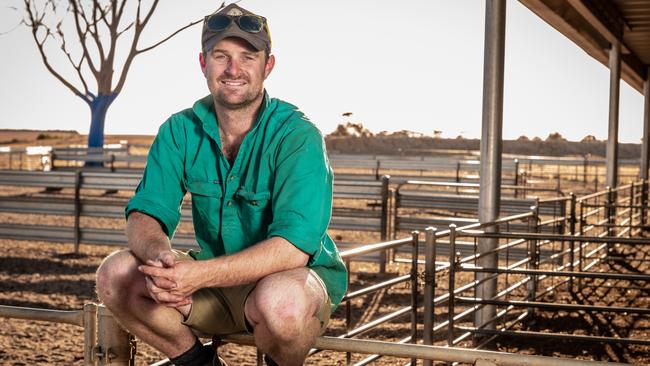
{"points": [[252, 38]]}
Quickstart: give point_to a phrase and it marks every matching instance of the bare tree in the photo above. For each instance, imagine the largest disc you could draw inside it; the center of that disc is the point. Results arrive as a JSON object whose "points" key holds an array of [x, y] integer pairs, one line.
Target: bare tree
{"points": [[88, 33]]}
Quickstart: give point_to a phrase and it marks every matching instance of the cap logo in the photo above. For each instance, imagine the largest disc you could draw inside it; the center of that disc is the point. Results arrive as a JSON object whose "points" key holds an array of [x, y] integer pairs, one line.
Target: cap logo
{"points": [[234, 12]]}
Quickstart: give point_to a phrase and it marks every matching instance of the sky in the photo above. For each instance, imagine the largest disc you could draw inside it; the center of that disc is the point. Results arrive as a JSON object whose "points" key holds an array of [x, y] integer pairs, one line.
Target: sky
{"points": [[412, 64]]}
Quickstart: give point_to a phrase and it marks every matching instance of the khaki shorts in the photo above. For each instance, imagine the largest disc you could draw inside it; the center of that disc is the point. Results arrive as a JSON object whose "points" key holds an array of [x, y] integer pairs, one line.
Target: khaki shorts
{"points": [[220, 311]]}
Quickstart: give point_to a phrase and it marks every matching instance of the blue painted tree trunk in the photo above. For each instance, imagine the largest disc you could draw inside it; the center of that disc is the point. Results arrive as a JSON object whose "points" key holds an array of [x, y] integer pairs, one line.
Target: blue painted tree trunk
{"points": [[98, 108]]}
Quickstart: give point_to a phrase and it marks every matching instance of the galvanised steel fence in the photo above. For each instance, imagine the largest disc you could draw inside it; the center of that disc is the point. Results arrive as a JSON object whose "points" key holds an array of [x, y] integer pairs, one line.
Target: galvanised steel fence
{"points": [[598, 250]]}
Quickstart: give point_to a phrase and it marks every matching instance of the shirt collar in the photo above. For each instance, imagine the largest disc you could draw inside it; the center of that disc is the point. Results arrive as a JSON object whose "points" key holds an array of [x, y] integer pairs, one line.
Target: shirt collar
{"points": [[204, 110]]}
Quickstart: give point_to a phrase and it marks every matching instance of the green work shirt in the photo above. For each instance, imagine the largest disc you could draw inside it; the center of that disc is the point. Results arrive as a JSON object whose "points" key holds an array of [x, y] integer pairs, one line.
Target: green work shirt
{"points": [[280, 184]]}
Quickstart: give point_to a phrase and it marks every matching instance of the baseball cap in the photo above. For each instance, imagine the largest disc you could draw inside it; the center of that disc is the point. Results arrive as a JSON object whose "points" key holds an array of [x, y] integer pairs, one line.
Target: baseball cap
{"points": [[235, 21]]}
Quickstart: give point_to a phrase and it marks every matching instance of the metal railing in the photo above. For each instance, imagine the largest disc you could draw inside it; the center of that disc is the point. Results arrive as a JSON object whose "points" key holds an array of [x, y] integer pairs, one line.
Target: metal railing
{"points": [[440, 204], [599, 230], [105, 342], [402, 168], [411, 279], [374, 217]]}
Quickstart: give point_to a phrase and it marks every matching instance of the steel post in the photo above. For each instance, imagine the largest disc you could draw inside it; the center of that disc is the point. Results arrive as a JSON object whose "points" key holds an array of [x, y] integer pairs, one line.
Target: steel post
{"points": [[585, 164], [572, 231], [429, 287], [645, 151], [612, 135], [610, 212], [452, 285], [491, 147], [414, 289], [90, 333], [348, 313], [115, 347], [77, 210], [384, 221], [533, 254], [630, 224], [516, 181]]}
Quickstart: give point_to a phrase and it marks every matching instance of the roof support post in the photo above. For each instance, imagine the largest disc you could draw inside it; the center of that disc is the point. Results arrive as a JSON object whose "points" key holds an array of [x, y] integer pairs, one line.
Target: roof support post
{"points": [[491, 147], [612, 135], [645, 150]]}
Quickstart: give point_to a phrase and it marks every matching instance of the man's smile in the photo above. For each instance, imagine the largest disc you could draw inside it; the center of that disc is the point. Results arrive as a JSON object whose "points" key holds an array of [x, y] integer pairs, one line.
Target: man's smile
{"points": [[233, 82]]}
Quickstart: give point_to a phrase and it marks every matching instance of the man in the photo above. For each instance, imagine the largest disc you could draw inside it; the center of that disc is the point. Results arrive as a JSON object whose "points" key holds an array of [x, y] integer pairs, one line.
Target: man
{"points": [[261, 190]]}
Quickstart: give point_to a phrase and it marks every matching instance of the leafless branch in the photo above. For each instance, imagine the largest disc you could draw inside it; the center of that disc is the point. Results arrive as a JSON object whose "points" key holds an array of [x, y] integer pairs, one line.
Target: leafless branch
{"points": [[79, 15], [149, 14], [76, 66], [125, 29], [99, 14], [35, 21], [169, 37], [121, 11], [13, 28], [133, 51], [94, 23]]}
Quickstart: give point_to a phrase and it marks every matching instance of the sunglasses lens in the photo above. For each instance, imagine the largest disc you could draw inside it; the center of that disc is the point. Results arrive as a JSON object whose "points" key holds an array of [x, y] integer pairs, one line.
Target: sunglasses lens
{"points": [[250, 23], [218, 23]]}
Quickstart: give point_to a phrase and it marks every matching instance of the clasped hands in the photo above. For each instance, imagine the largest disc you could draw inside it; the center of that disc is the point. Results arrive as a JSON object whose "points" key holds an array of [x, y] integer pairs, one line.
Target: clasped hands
{"points": [[170, 282]]}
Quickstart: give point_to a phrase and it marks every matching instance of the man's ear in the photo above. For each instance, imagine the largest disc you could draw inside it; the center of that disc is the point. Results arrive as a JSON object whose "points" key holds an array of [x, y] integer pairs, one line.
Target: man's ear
{"points": [[270, 63], [202, 62]]}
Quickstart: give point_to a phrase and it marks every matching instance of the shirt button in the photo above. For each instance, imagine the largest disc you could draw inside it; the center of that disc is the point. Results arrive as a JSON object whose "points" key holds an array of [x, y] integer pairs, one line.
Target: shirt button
{"points": [[215, 181], [232, 177], [229, 203]]}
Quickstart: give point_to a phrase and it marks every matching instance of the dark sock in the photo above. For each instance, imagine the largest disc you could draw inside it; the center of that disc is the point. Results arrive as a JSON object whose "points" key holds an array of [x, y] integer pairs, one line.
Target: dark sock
{"points": [[269, 361], [197, 355]]}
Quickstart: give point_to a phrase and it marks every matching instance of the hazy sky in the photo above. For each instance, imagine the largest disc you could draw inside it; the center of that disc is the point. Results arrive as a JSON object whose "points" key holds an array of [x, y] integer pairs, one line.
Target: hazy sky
{"points": [[411, 64]]}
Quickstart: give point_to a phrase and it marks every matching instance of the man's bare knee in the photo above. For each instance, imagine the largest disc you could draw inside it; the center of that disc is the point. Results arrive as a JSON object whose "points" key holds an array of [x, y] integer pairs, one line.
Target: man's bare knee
{"points": [[116, 275], [286, 317]]}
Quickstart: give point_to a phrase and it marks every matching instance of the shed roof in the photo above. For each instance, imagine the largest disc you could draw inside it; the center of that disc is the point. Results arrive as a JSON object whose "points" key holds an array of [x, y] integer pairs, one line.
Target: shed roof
{"points": [[594, 25]]}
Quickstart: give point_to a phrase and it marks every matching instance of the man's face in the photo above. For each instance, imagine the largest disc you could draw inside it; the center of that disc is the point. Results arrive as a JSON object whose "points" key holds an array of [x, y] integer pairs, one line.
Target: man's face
{"points": [[235, 72]]}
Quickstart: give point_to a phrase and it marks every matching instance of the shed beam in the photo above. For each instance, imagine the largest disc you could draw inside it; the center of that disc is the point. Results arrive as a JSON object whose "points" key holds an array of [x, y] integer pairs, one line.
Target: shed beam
{"points": [[604, 17]]}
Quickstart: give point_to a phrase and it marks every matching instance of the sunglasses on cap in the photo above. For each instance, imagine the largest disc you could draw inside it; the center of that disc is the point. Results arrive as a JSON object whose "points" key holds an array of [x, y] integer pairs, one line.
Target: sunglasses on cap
{"points": [[247, 23]]}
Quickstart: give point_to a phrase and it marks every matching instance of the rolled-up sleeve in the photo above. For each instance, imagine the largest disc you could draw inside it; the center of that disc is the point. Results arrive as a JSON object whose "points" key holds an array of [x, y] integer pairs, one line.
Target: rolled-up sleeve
{"points": [[302, 190], [161, 190]]}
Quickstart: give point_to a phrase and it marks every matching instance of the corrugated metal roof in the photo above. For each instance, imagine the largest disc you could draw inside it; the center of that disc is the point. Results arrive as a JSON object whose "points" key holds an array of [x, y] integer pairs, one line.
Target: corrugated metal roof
{"points": [[594, 25], [636, 34]]}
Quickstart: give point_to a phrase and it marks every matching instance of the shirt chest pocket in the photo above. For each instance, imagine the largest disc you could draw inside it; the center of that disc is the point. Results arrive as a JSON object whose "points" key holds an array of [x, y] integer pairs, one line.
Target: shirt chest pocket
{"points": [[253, 201], [206, 199]]}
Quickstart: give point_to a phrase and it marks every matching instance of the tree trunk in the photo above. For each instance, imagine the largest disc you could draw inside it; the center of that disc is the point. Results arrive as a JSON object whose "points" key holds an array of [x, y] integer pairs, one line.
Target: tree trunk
{"points": [[98, 108]]}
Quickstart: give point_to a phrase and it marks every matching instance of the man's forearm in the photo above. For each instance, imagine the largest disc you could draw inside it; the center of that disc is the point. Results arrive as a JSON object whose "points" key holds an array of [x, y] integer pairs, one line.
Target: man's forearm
{"points": [[145, 236], [269, 256]]}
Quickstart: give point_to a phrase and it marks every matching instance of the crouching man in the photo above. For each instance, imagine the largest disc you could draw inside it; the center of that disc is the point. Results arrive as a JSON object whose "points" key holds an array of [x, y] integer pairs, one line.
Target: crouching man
{"points": [[261, 189]]}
